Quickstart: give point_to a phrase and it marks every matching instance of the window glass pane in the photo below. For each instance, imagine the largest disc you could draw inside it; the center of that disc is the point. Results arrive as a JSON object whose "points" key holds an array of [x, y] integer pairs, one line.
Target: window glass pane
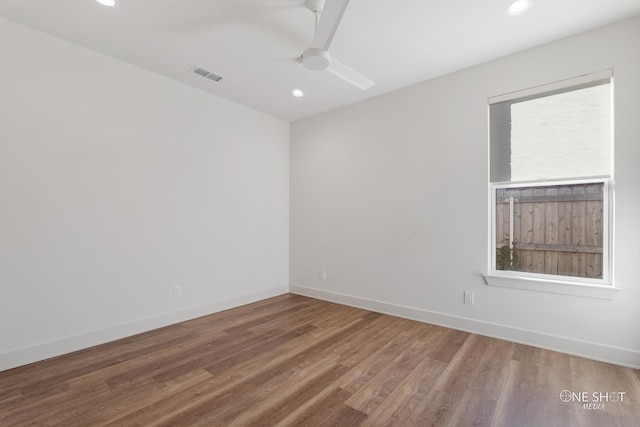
{"points": [[551, 229], [559, 136]]}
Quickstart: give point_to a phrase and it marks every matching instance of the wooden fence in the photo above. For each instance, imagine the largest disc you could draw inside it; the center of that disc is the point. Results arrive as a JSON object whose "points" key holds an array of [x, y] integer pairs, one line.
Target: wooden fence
{"points": [[555, 229]]}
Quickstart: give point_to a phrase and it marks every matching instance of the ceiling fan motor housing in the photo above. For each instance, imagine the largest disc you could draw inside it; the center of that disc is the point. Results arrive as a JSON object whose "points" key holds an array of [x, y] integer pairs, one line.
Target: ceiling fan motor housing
{"points": [[315, 5], [316, 59]]}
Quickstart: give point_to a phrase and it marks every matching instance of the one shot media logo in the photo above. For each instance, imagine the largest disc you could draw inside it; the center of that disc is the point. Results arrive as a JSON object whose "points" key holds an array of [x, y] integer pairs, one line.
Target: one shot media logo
{"points": [[592, 400]]}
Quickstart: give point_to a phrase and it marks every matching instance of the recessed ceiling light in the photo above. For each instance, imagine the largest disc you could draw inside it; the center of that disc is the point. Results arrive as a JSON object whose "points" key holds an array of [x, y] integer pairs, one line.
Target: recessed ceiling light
{"points": [[518, 7], [109, 3], [297, 93]]}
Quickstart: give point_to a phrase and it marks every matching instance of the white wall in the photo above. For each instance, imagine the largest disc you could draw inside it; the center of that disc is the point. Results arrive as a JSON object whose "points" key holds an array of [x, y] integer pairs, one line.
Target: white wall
{"points": [[116, 185], [390, 197]]}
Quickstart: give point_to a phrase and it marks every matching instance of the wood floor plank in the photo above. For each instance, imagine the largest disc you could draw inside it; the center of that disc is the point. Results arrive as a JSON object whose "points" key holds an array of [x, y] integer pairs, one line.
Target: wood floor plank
{"points": [[409, 396], [377, 361], [291, 394], [376, 391], [329, 411], [207, 410], [117, 350], [250, 351], [55, 380], [295, 361], [228, 384], [477, 405], [117, 409], [149, 364]]}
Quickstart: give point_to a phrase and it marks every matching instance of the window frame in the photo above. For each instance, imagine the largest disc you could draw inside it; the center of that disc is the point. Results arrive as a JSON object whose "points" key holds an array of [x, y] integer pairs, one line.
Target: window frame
{"points": [[568, 285]]}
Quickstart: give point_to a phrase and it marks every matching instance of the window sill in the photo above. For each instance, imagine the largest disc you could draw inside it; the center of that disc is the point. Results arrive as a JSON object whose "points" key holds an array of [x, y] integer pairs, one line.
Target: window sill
{"points": [[600, 291]]}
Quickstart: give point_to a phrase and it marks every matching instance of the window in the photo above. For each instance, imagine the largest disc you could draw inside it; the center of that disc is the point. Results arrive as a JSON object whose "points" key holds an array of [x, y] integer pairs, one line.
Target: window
{"points": [[551, 183]]}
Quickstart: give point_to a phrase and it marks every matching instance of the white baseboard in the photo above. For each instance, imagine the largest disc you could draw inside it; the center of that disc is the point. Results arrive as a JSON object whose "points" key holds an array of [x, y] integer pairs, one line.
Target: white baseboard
{"points": [[58, 347], [604, 353]]}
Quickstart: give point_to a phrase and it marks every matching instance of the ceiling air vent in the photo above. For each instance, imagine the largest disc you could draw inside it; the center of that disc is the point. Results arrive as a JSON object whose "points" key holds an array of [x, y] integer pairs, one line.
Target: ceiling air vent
{"points": [[201, 71]]}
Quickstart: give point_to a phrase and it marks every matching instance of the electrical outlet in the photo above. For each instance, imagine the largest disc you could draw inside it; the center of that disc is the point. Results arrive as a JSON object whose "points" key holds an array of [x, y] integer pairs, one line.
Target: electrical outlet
{"points": [[468, 297], [323, 275], [177, 291]]}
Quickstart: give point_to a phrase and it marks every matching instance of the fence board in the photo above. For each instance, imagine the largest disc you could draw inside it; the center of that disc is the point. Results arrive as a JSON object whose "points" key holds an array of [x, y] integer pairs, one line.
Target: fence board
{"points": [[556, 230], [526, 230], [517, 220], [538, 231], [502, 224], [593, 236], [578, 233], [551, 232], [578, 249], [564, 233], [569, 197]]}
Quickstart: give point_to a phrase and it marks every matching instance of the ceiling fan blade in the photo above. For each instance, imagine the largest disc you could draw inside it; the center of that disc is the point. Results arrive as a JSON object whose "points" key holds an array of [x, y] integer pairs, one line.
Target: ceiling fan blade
{"points": [[350, 75], [295, 59], [329, 20]]}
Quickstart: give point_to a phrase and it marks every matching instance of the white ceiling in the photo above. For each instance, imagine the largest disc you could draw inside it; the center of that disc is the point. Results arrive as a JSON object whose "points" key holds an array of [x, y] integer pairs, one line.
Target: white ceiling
{"points": [[396, 43]]}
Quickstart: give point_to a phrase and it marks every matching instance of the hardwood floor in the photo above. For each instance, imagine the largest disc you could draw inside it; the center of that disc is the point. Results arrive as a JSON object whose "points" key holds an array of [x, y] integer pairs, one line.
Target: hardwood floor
{"points": [[295, 361]]}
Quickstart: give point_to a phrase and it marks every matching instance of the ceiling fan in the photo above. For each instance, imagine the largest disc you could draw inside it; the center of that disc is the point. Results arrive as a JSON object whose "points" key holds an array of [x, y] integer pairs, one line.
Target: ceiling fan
{"points": [[316, 58]]}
